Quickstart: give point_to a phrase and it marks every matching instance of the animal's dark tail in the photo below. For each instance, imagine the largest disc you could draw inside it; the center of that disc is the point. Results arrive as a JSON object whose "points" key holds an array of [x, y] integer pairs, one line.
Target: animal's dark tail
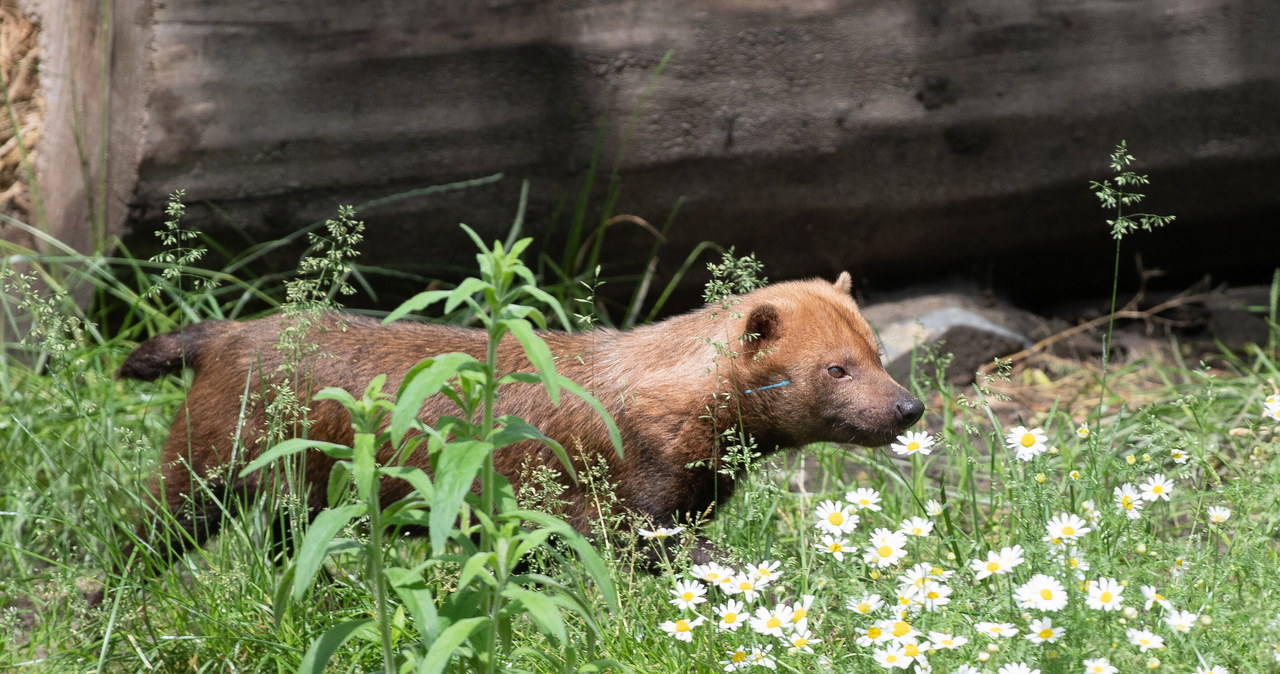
{"points": [[167, 353]]}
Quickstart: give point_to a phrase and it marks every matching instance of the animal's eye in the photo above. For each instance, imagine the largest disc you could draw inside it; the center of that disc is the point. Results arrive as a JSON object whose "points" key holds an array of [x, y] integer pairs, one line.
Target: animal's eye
{"points": [[836, 371]]}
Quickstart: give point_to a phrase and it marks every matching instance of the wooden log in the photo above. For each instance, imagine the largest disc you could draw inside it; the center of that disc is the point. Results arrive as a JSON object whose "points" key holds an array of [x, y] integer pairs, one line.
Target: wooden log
{"points": [[899, 140]]}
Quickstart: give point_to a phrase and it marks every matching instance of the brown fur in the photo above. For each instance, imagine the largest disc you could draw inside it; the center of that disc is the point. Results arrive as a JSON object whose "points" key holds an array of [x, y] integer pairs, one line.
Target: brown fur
{"points": [[659, 382]]}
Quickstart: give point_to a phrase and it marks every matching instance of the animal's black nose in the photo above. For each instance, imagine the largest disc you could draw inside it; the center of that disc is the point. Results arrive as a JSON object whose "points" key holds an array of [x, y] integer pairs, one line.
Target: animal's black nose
{"points": [[909, 411]]}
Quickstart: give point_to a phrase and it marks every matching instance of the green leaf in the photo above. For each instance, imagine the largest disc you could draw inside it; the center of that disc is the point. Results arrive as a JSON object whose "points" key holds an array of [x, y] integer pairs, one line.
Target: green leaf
{"points": [[463, 292], [416, 477], [443, 647], [592, 563], [477, 566], [323, 648], [421, 383], [541, 609], [456, 471], [315, 544], [551, 302], [417, 599], [514, 429], [293, 446], [539, 354], [614, 436], [364, 467], [416, 303]]}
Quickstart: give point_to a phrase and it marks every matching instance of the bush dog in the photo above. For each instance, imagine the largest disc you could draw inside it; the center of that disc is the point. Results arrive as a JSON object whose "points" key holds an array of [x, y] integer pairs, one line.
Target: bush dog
{"points": [[668, 386]]}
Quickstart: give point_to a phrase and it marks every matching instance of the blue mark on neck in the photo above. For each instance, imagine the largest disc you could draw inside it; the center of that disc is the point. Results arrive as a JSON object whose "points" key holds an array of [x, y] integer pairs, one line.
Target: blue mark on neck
{"points": [[781, 383]]}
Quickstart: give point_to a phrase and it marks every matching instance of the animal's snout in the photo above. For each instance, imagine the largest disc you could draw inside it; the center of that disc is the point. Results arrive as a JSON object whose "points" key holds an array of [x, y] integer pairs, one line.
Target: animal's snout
{"points": [[909, 410]]}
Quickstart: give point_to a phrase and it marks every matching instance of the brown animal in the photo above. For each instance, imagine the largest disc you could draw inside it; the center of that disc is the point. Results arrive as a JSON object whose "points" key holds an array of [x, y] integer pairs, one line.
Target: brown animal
{"points": [[667, 385]]}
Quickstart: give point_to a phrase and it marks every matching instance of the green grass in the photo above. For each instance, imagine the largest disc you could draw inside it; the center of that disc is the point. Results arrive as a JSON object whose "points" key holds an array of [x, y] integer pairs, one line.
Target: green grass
{"points": [[79, 446]]}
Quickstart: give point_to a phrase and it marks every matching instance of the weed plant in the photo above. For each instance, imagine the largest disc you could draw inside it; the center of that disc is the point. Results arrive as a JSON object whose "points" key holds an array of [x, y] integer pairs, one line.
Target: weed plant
{"points": [[1130, 525]]}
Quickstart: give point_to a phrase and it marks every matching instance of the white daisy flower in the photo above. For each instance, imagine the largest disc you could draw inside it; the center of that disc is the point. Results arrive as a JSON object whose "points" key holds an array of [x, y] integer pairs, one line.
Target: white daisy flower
{"points": [[864, 605], [1017, 668], [1157, 488], [933, 508], [1219, 514], [1066, 526], [1181, 621], [945, 640], [760, 657], [730, 616], [997, 563], [836, 518], [1027, 443], [1153, 597], [746, 585], [681, 629], [771, 622], [932, 595], [916, 526], [1179, 456], [1082, 431], [1042, 593], [737, 659], [887, 548], [800, 610], [873, 634], [801, 641], [1090, 511], [1105, 594], [1099, 666], [1042, 630], [711, 573], [892, 656], [766, 571], [836, 547], [1144, 640], [1129, 501], [913, 442], [996, 630], [688, 593], [660, 532], [864, 498], [898, 629]]}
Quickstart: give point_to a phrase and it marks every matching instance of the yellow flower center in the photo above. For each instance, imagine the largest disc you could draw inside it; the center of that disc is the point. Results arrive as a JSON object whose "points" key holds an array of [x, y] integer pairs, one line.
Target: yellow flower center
{"points": [[835, 547], [800, 642], [799, 615], [913, 446], [864, 607], [890, 658], [1068, 531], [1158, 489], [1046, 633], [1028, 439], [873, 633], [836, 518], [917, 531], [1126, 502], [773, 622], [739, 656], [993, 566], [1046, 594], [900, 628], [912, 650], [688, 596], [1157, 596], [864, 502], [1105, 597], [996, 629], [682, 625], [730, 618], [933, 594], [745, 585], [885, 551]]}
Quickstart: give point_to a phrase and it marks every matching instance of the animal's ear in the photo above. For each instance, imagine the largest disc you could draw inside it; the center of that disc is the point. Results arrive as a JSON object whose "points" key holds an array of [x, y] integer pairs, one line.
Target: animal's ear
{"points": [[845, 283], [763, 324]]}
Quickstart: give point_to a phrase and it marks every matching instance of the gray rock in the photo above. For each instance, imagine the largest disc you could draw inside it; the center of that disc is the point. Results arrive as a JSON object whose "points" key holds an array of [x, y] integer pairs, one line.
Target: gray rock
{"points": [[971, 330]]}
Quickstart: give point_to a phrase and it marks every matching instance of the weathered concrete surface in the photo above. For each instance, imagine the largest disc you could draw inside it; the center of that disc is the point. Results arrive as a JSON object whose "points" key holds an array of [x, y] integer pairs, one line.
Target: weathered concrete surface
{"points": [[895, 139]]}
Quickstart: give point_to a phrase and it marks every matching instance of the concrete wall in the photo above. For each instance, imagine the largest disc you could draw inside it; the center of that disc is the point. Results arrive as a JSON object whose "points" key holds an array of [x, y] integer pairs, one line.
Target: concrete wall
{"points": [[896, 139]]}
